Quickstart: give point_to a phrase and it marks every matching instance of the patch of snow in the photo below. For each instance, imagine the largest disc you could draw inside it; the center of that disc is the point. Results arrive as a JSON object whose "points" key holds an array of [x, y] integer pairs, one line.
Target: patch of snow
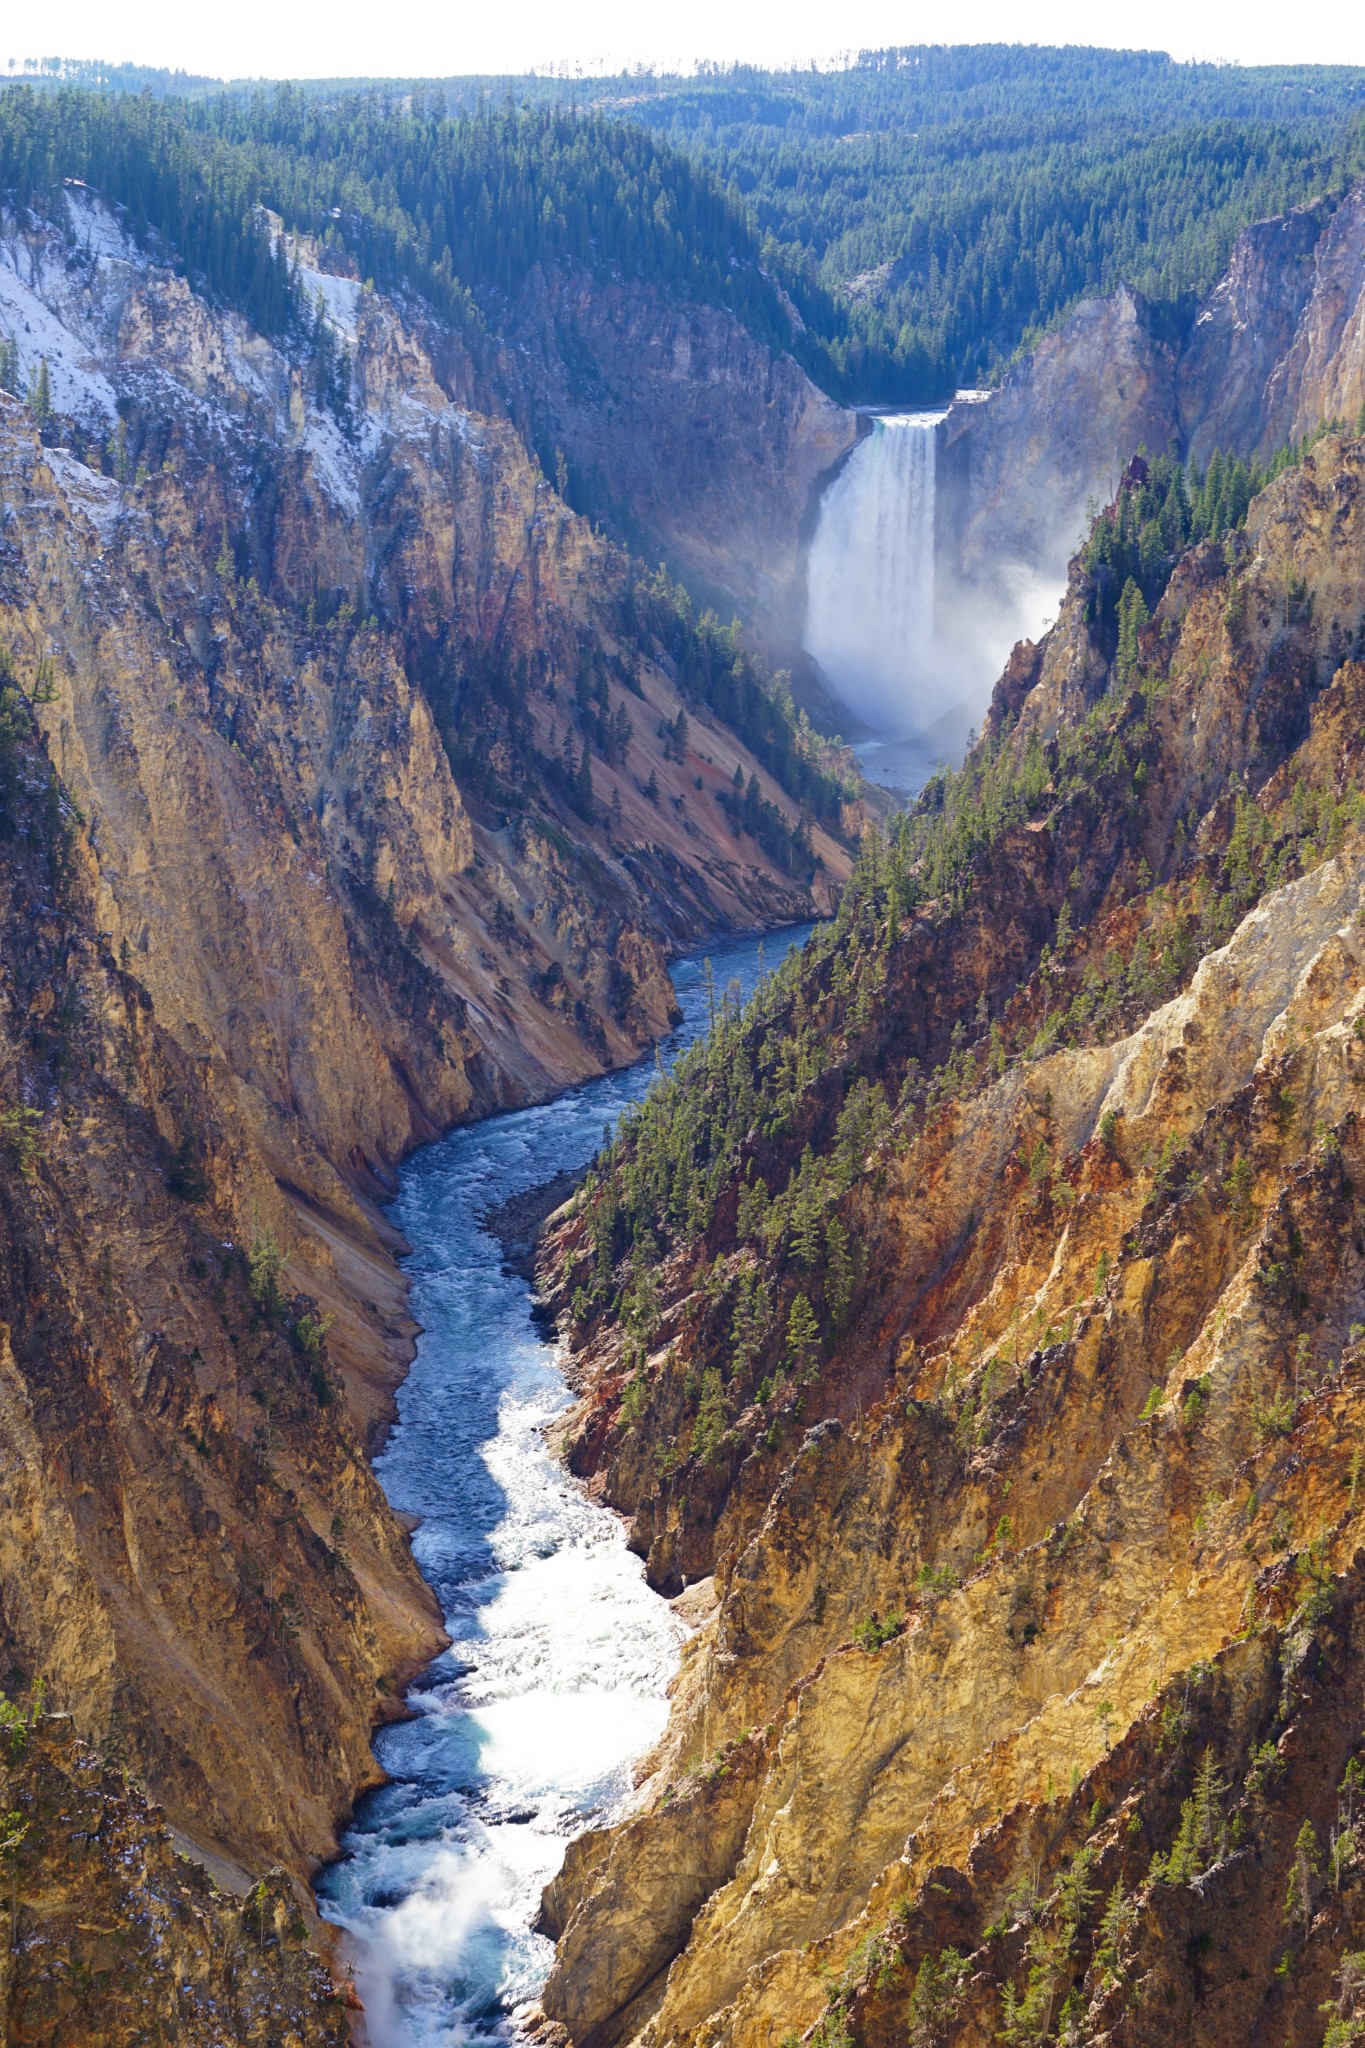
{"points": [[465, 427], [86, 490], [95, 228], [333, 460], [408, 415], [253, 363], [79, 385], [340, 296]]}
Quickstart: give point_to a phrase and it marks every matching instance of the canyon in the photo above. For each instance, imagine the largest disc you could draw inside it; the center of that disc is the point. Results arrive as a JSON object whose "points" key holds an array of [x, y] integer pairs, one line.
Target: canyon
{"points": [[1276, 348], [968, 1332], [998, 1384], [1026, 1696]]}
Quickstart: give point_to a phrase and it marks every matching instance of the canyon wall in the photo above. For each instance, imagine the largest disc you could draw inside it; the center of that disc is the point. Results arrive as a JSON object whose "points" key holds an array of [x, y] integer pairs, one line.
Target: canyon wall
{"points": [[996, 1389], [351, 785], [1277, 348], [693, 438]]}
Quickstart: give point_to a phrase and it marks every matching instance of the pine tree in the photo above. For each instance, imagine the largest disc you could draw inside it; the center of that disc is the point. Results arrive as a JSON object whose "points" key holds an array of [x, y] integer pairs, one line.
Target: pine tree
{"points": [[582, 785], [1346, 2026], [1133, 615], [40, 394], [1304, 1873], [803, 1336], [1199, 1839], [708, 1433], [838, 1270], [805, 1238], [933, 2001]]}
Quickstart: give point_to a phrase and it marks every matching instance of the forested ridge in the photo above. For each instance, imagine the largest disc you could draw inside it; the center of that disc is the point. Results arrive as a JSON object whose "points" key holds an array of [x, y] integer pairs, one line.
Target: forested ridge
{"points": [[923, 213], [420, 202], [454, 208], [954, 201], [758, 1134]]}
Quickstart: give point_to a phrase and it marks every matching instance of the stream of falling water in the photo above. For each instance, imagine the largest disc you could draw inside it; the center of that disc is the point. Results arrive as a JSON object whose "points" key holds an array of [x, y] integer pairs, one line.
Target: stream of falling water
{"points": [[870, 578], [525, 1730]]}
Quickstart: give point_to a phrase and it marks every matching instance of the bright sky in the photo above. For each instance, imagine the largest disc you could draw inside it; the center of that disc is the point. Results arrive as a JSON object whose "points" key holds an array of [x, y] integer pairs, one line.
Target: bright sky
{"points": [[416, 38]]}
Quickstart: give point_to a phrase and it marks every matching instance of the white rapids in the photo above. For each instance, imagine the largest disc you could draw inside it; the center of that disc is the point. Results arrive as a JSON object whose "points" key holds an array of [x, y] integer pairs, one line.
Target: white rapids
{"points": [[525, 1730]]}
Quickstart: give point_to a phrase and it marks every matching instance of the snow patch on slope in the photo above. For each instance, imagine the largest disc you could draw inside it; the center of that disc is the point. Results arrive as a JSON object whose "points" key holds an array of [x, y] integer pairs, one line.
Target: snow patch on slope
{"points": [[105, 315], [85, 490], [334, 460], [79, 385], [95, 228], [341, 299]]}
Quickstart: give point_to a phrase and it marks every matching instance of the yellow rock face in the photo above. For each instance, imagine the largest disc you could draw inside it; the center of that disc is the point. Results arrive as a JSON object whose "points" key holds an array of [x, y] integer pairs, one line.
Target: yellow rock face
{"points": [[1080, 1514]]}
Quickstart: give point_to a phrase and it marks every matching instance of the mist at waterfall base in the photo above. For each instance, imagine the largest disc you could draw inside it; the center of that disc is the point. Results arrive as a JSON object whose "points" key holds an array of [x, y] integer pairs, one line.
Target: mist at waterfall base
{"points": [[912, 652], [527, 1727]]}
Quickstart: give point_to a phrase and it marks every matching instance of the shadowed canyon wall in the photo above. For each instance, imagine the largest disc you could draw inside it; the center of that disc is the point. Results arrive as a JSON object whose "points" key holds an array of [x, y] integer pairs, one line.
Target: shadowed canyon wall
{"points": [[696, 440]]}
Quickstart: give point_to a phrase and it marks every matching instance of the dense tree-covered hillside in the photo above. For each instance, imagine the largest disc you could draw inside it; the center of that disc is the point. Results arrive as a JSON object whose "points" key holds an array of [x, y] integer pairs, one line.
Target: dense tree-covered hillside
{"points": [[928, 210], [924, 212], [950, 202], [450, 207]]}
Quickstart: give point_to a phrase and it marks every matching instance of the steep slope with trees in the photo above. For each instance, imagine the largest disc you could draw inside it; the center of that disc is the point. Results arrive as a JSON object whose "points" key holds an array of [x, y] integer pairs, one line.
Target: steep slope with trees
{"points": [[977, 1319], [1274, 352], [928, 210], [586, 279]]}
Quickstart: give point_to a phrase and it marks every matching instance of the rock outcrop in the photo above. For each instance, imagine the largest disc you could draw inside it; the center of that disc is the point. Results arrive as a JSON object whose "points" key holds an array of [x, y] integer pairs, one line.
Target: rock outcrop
{"points": [[1280, 344], [1021, 465], [1276, 350], [197, 1567], [132, 1939], [678, 425]]}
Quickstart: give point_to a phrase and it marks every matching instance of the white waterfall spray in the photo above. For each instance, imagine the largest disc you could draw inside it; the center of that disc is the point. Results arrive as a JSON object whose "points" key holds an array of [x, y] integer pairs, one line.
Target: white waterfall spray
{"points": [[870, 579]]}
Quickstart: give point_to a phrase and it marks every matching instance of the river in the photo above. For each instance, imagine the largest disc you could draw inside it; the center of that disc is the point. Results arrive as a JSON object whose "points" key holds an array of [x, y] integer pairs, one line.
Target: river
{"points": [[525, 1730]]}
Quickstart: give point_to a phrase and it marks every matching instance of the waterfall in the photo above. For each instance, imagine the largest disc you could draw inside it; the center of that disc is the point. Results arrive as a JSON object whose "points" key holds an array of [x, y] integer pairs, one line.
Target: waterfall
{"points": [[870, 579]]}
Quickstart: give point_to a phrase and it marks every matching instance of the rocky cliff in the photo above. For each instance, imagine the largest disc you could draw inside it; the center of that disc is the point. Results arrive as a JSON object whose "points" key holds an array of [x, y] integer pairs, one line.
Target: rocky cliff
{"points": [[1280, 344], [688, 434], [991, 1375], [350, 785], [1021, 465], [383, 952], [197, 1567], [1276, 349]]}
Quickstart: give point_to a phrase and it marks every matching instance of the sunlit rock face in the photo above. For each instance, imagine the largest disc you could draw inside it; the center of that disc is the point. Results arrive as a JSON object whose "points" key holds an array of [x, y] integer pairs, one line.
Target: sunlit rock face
{"points": [[1277, 348], [1280, 344], [1066, 1522]]}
